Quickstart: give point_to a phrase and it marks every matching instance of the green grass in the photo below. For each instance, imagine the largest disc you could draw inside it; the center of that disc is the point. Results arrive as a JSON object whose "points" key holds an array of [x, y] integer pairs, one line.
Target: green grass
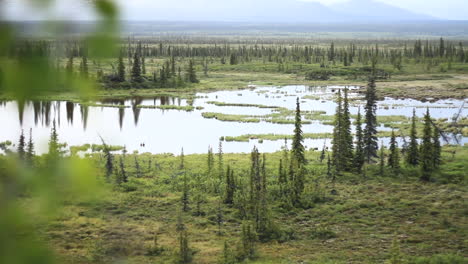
{"points": [[105, 105], [273, 137], [187, 108], [231, 118], [241, 105], [357, 225]]}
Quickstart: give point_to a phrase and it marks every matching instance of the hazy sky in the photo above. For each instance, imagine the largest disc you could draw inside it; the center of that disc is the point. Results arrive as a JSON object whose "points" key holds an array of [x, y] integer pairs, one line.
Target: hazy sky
{"points": [[448, 9], [75, 9]]}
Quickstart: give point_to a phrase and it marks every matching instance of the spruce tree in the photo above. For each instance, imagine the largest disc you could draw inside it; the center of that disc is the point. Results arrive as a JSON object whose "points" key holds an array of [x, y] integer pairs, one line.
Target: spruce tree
{"points": [[370, 131], [185, 195], [437, 149], [359, 153], [331, 55], [263, 175], [247, 248], [412, 155], [427, 149], [394, 158], [123, 171], [329, 166], [347, 137], [30, 150], [283, 170], [298, 161], [323, 152], [298, 150], [122, 175], [21, 147], [173, 66], [191, 74], [136, 68], [138, 171], [382, 159], [54, 145], [185, 253], [441, 47], [220, 161], [255, 177], [227, 257], [210, 160], [182, 160], [282, 178], [286, 154], [230, 186], [121, 69], [337, 143], [233, 59], [84, 67], [220, 218], [109, 159], [143, 65]]}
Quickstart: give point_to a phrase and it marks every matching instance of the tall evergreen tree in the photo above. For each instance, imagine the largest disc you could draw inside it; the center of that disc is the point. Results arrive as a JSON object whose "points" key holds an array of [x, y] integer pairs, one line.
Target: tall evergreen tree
{"points": [[122, 176], [298, 150], [298, 160], [283, 170], [84, 67], [427, 149], [437, 149], [255, 176], [233, 59], [370, 131], [337, 142], [331, 55], [138, 171], [323, 152], [185, 195], [282, 178], [21, 146], [220, 161], [412, 155], [347, 137], [143, 65], [54, 145], [30, 150], [394, 157], [182, 160], [382, 159], [210, 159], [441, 47], [227, 257], [230, 186], [191, 74], [329, 166], [136, 68], [359, 153], [121, 69], [185, 253], [247, 249], [109, 159]]}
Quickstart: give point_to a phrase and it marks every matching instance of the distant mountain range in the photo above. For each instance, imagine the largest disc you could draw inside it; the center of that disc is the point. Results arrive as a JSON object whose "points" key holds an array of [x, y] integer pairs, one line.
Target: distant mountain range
{"points": [[280, 11]]}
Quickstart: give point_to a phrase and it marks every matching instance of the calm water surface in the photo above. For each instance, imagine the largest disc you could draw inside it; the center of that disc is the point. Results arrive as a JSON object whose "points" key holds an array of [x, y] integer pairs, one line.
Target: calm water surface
{"points": [[168, 131]]}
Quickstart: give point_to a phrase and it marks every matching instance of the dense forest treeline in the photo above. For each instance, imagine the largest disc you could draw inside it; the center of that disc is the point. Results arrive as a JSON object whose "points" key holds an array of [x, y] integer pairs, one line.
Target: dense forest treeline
{"points": [[362, 53], [151, 64]]}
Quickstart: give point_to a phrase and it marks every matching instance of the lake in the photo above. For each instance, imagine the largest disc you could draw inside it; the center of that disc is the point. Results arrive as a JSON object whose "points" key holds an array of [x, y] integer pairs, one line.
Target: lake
{"points": [[168, 131]]}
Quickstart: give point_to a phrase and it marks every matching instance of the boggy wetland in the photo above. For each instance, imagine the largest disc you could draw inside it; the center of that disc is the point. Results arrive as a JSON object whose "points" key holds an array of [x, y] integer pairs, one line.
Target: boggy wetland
{"points": [[261, 116]]}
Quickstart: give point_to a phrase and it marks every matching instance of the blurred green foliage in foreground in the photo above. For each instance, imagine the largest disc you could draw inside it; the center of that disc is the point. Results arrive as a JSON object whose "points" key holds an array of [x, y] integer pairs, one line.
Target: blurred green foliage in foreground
{"points": [[53, 179]]}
